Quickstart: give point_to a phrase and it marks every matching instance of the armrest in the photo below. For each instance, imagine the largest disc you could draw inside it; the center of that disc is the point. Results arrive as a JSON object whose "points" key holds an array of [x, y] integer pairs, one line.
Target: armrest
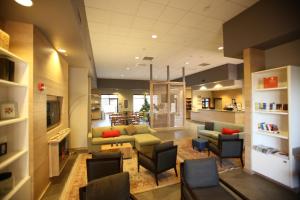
{"points": [[152, 130], [90, 136], [200, 127], [144, 155]]}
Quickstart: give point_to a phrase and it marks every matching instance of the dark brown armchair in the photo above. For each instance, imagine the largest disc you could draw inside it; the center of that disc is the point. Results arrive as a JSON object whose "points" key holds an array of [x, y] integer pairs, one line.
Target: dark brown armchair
{"points": [[104, 164], [163, 158], [229, 146], [116, 187]]}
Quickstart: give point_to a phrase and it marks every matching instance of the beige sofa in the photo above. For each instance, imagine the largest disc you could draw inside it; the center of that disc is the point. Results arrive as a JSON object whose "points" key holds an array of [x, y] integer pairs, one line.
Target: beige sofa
{"points": [[143, 140]]}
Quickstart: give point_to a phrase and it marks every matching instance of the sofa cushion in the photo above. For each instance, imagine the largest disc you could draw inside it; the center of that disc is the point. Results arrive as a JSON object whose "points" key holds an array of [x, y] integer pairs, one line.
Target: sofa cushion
{"points": [[122, 138], [212, 193], [201, 173], [131, 130], [97, 132], [218, 126], [209, 126], [121, 128], [146, 139], [211, 134], [140, 129], [228, 131]]}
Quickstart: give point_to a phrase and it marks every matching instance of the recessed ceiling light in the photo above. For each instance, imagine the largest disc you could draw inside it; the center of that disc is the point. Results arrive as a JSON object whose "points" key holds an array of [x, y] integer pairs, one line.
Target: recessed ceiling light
{"points": [[154, 36], [26, 3], [220, 48], [187, 63], [61, 50], [137, 57], [127, 68]]}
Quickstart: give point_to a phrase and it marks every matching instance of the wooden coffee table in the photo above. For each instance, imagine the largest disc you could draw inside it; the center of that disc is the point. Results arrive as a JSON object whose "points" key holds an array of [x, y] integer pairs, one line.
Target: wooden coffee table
{"points": [[125, 148]]}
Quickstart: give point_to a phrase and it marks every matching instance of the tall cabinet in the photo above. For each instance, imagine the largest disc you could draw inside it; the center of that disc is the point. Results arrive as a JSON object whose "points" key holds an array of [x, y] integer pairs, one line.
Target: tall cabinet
{"points": [[14, 131], [275, 124]]}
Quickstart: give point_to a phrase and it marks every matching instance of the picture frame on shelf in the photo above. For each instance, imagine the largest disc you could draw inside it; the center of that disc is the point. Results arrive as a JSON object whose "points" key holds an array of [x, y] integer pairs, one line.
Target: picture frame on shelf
{"points": [[8, 110]]}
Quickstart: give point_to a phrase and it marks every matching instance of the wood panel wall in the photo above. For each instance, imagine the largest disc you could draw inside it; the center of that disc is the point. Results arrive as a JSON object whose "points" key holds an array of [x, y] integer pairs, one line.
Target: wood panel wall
{"points": [[52, 70], [254, 60]]}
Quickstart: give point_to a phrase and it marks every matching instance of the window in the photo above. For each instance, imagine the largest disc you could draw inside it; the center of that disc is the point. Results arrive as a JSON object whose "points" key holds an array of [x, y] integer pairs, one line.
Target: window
{"points": [[138, 102], [109, 103]]}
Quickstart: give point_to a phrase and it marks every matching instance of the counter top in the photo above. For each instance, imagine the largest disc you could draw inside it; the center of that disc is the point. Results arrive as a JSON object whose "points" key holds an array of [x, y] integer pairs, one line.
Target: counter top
{"points": [[200, 110]]}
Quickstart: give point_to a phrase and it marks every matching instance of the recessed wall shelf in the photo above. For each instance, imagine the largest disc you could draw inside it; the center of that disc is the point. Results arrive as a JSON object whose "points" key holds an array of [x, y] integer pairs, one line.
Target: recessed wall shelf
{"points": [[270, 89], [272, 112], [12, 121], [281, 135], [10, 157]]}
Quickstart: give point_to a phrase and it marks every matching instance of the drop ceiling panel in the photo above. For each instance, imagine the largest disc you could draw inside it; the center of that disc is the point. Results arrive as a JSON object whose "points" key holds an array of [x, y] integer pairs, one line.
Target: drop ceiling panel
{"points": [[188, 31], [150, 10]]}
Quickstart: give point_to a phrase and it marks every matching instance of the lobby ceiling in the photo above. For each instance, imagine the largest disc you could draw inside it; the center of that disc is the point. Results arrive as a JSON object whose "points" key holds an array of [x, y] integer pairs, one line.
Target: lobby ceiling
{"points": [[64, 24], [189, 33]]}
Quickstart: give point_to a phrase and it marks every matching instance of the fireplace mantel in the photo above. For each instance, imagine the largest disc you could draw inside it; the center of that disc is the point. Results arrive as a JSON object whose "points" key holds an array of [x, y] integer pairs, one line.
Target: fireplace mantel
{"points": [[58, 151]]}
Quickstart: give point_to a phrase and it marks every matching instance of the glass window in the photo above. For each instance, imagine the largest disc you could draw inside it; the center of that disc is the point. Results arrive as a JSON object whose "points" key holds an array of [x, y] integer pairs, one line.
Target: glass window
{"points": [[109, 103], [138, 102]]}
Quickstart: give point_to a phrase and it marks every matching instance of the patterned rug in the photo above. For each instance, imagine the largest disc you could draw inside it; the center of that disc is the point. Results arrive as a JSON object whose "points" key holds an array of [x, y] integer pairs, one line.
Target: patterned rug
{"points": [[186, 152], [144, 180]]}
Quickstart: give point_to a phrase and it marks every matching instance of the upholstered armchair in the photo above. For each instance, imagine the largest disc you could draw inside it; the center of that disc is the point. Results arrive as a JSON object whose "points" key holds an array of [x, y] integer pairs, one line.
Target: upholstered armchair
{"points": [[116, 187], [163, 158], [229, 146], [200, 180], [104, 164]]}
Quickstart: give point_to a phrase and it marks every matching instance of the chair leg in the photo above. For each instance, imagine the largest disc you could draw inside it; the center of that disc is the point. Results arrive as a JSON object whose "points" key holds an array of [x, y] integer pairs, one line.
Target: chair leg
{"points": [[138, 167], [175, 171], [241, 158], [208, 153], [156, 179]]}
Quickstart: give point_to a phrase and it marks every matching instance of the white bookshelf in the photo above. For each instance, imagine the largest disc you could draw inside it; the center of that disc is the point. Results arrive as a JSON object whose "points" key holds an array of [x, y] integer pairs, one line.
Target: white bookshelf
{"points": [[280, 166], [15, 131]]}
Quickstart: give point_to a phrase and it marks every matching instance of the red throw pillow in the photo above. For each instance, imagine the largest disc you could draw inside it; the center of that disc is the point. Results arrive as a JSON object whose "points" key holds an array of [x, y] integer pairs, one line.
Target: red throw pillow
{"points": [[228, 131], [112, 133]]}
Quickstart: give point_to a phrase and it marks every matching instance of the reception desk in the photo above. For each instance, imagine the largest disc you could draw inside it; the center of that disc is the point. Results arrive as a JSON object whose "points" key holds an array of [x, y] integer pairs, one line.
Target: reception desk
{"points": [[203, 115]]}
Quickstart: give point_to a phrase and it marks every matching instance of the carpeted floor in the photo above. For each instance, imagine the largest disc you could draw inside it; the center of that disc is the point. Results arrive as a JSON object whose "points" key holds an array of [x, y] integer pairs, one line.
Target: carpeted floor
{"points": [[143, 181]]}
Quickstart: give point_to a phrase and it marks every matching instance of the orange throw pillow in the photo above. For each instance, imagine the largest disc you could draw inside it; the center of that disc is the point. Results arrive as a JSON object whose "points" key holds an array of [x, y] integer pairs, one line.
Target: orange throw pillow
{"points": [[228, 131], [113, 133]]}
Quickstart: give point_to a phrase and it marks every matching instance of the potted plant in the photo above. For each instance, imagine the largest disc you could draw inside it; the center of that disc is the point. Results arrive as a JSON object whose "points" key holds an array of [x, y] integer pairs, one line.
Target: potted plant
{"points": [[145, 109]]}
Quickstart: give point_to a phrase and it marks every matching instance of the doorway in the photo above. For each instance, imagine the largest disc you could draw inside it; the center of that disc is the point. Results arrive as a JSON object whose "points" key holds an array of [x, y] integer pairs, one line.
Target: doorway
{"points": [[109, 103]]}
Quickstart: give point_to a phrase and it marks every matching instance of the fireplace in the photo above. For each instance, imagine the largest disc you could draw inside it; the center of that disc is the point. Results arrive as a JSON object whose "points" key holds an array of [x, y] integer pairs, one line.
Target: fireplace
{"points": [[58, 152]]}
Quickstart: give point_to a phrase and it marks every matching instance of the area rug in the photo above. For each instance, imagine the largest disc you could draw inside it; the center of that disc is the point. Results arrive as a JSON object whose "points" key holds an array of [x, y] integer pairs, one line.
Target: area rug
{"points": [[139, 182], [144, 180]]}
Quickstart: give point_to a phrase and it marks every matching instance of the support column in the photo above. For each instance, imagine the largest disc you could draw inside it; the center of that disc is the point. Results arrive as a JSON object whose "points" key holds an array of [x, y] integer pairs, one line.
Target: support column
{"points": [[254, 60], [151, 72], [168, 73]]}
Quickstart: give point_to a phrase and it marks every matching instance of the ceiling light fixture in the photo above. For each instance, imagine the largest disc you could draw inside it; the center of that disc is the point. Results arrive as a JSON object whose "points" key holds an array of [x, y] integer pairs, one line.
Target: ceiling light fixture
{"points": [[187, 63], [154, 36], [137, 57], [60, 50], [127, 68], [26, 3], [220, 48]]}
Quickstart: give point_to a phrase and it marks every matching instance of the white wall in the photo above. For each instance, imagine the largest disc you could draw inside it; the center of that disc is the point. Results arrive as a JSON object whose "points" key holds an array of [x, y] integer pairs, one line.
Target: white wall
{"points": [[78, 106]]}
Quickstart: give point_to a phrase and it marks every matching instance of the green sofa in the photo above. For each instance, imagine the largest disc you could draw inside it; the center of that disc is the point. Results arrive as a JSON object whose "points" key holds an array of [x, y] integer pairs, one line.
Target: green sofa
{"points": [[212, 135], [143, 140]]}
